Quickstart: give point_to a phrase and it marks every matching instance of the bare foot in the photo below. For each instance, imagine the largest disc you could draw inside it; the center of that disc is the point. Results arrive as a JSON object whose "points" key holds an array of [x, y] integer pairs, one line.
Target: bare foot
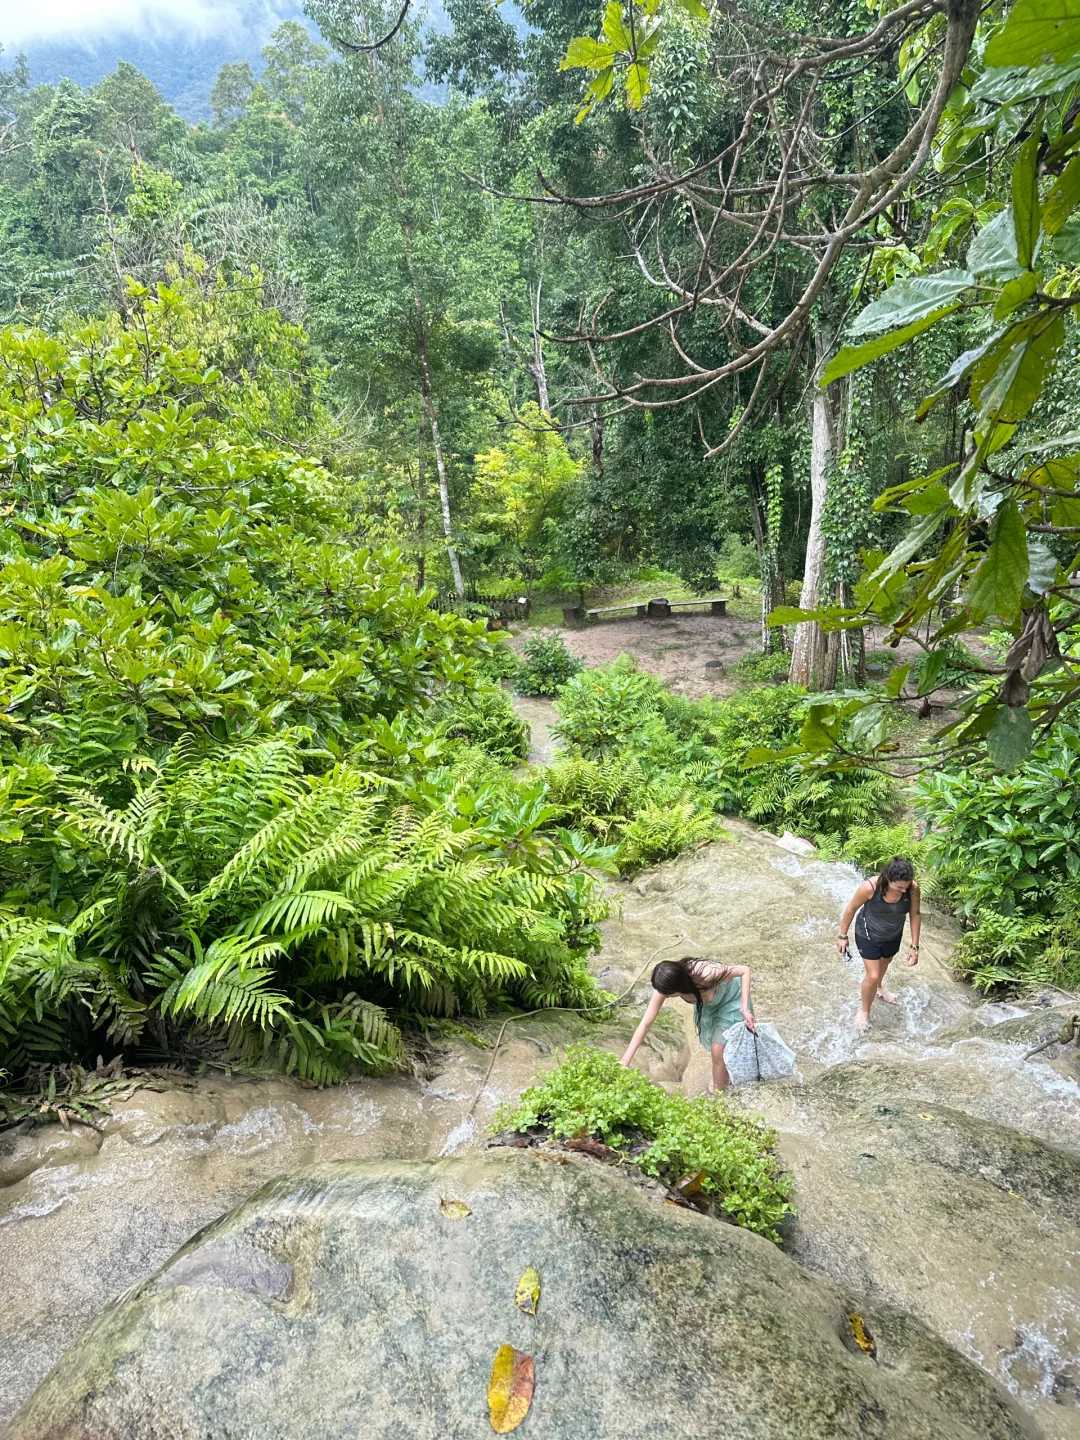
{"points": [[862, 1022], [887, 996]]}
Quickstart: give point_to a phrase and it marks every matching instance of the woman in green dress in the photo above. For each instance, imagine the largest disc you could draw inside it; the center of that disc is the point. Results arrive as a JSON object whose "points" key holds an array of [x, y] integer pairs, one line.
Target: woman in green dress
{"points": [[720, 995]]}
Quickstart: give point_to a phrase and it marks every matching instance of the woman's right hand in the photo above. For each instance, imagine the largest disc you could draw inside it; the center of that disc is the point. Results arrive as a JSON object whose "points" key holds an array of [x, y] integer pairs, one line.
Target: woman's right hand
{"points": [[842, 948]]}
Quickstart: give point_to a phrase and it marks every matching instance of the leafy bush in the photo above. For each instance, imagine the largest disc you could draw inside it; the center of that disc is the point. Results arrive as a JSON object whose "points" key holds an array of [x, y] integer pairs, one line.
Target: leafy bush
{"points": [[547, 665], [1007, 848], [762, 669], [497, 661], [646, 819], [950, 665], [668, 1136], [737, 559], [871, 847], [484, 716], [229, 812]]}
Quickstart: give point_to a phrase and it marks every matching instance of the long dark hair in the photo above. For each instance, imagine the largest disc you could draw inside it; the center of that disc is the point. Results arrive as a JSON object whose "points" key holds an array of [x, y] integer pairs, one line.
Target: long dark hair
{"points": [[895, 872], [675, 977]]}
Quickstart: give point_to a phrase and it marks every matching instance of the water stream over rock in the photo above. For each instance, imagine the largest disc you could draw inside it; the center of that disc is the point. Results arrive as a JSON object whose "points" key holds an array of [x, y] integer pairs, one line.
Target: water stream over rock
{"points": [[937, 1171]]}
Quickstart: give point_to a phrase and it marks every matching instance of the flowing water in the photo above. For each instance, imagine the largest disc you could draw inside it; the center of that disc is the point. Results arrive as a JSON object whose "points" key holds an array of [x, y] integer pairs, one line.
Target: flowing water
{"points": [[934, 1166]]}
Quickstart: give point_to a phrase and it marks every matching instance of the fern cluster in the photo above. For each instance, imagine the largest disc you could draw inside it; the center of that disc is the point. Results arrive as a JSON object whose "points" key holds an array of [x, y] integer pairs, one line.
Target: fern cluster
{"points": [[238, 898]]}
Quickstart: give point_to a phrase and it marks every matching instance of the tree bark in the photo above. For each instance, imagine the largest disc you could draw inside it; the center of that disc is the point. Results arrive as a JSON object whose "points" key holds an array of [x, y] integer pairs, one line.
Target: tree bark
{"points": [[813, 659], [427, 399], [772, 580], [537, 368]]}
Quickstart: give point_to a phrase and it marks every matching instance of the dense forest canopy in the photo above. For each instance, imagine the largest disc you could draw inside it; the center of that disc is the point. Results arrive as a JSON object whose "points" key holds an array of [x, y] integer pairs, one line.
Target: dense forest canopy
{"points": [[777, 294]]}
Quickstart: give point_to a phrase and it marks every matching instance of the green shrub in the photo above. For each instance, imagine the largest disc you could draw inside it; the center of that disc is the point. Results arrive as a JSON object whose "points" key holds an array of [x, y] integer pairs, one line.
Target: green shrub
{"points": [[871, 847], [668, 1136], [484, 716], [647, 818], [1005, 850], [762, 669], [497, 661], [737, 559], [546, 665]]}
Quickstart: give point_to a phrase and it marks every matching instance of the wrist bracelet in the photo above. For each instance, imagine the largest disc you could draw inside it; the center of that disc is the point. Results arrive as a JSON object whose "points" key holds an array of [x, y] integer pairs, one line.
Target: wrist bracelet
{"points": [[841, 937]]}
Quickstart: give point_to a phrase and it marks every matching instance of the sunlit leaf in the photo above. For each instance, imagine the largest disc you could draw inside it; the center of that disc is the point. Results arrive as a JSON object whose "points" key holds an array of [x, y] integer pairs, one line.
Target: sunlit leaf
{"points": [[510, 1389], [1013, 294], [614, 29], [585, 54], [1016, 83], [1042, 567], [993, 250], [637, 85], [454, 1209]]}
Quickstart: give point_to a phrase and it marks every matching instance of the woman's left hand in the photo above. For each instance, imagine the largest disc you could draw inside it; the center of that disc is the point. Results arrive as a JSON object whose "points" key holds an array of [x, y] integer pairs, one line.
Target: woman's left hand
{"points": [[751, 1023], [913, 955]]}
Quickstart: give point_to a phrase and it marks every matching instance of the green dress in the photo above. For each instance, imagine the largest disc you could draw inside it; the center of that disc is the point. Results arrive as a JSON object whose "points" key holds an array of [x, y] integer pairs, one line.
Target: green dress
{"points": [[720, 1013]]}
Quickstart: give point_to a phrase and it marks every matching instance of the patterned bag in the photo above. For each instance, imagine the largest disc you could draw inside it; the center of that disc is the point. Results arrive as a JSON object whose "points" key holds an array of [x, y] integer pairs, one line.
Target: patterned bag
{"points": [[756, 1055]]}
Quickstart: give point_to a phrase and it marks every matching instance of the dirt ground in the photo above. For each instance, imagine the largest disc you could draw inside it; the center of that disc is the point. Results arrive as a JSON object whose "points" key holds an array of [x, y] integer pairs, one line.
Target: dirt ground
{"points": [[678, 650]]}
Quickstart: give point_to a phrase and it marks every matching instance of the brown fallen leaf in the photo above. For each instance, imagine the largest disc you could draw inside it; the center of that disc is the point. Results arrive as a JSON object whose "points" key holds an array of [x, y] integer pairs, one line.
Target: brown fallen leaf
{"points": [[586, 1145], [527, 1295], [454, 1209], [510, 1389]]}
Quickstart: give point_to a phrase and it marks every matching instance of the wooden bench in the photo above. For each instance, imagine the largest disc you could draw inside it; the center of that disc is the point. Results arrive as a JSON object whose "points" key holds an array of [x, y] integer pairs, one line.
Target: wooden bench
{"points": [[659, 609]]}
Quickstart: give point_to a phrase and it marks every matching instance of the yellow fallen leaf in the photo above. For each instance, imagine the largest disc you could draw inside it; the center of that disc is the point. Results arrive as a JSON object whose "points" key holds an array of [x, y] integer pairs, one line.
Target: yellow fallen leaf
{"points": [[861, 1335], [527, 1295], [510, 1389], [454, 1209]]}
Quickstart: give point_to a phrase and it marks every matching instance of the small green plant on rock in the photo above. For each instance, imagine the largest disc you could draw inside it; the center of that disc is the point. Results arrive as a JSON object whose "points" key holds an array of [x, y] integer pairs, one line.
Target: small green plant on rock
{"points": [[732, 1157], [547, 665]]}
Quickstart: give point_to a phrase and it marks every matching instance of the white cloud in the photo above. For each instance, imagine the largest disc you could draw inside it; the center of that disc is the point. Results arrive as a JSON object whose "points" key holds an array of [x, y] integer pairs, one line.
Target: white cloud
{"points": [[85, 21]]}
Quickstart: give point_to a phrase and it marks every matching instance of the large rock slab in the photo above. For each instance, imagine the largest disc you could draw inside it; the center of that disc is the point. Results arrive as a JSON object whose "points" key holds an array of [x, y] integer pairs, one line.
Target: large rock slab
{"points": [[970, 1225], [342, 1302]]}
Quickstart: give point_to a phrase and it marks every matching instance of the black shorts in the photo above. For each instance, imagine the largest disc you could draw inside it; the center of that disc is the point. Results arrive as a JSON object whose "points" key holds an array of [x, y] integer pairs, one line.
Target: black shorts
{"points": [[875, 949]]}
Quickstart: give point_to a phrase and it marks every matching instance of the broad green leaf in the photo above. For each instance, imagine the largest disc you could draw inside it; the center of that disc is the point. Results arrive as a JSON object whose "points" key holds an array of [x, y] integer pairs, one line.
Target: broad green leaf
{"points": [[932, 670], [637, 85], [1067, 242], [895, 682], [925, 502], [585, 54], [998, 583], [454, 1209], [911, 299], [1007, 384], [693, 7], [1037, 32], [993, 250], [1025, 198], [916, 537], [1014, 84], [894, 493], [957, 371], [1063, 198], [854, 357], [1013, 294], [834, 616], [1042, 567], [614, 30], [1010, 737]]}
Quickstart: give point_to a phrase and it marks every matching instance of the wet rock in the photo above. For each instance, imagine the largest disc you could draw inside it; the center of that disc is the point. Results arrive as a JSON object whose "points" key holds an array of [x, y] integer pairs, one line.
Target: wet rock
{"points": [[653, 1321], [972, 1226], [796, 844], [26, 1149]]}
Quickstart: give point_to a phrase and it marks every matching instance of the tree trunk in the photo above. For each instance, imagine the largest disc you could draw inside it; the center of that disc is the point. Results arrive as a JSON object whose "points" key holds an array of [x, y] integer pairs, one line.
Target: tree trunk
{"points": [[537, 368], [598, 441], [813, 658], [427, 398], [421, 514]]}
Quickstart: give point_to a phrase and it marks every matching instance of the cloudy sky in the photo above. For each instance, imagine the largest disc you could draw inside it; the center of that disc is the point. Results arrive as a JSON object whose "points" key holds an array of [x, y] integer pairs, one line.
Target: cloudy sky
{"points": [[89, 20]]}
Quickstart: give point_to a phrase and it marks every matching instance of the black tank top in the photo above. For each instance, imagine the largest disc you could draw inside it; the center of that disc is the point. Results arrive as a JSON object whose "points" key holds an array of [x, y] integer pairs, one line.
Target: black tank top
{"points": [[883, 920]]}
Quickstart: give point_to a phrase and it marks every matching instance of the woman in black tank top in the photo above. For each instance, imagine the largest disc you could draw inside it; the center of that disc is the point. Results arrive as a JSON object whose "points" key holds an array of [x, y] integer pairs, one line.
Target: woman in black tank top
{"points": [[883, 904]]}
